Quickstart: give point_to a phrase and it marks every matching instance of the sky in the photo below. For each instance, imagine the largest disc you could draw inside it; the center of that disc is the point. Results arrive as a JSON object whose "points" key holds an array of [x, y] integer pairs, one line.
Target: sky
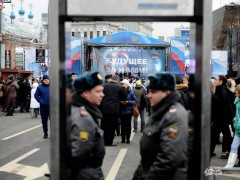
{"points": [[41, 6], [167, 29]]}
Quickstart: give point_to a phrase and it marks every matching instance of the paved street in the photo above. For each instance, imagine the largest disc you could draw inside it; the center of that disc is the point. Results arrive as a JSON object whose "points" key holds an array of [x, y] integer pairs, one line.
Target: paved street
{"points": [[25, 155]]}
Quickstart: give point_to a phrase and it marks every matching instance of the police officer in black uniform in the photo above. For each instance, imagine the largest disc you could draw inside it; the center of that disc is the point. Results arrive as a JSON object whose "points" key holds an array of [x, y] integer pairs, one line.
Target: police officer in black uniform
{"points": [[87, 144], [163, 146]]}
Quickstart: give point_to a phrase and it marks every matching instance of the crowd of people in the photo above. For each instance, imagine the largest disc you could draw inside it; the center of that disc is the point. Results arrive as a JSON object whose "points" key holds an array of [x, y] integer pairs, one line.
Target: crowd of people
{"points": [[224, 117], [30, 96], [17, 93], [165, 147], [102, 109], [98, 107]]}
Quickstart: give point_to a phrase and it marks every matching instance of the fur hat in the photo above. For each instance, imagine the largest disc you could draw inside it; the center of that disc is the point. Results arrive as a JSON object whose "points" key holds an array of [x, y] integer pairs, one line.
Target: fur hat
{"points": [[87, 81], [161, 81]]}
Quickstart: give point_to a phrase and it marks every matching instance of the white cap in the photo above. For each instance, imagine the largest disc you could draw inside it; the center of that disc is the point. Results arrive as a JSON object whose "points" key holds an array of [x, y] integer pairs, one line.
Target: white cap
{"points": [[125, 81]]}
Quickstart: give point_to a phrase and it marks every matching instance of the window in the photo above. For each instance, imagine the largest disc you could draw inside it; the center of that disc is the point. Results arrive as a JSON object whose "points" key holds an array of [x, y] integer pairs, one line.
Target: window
{"points": [[91, 34], [98, 33], [72, 33], [104, 33], [85, 34], [78, 34]]}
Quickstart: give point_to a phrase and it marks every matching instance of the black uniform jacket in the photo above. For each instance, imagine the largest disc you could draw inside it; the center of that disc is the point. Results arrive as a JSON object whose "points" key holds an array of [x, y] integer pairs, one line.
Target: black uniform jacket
{"points": [[87, 144], [163, 147], [114, 93]]}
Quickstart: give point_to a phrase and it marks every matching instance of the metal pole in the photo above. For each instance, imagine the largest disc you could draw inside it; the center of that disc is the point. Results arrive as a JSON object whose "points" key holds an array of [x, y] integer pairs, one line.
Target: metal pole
{"points": [[54, 93], [1, 33], [202, 31]]}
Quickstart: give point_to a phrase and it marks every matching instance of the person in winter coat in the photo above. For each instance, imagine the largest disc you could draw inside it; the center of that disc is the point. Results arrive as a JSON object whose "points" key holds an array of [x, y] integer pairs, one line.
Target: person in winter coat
{"points": [[10, 94], [42, 96], [182, 88], [16, 86], [87, 144], [24, 94], [222, 115], [2, 93], [141, 103], [34, 104], [164, 144], [236, 140], [126, 111], [110, 107]]}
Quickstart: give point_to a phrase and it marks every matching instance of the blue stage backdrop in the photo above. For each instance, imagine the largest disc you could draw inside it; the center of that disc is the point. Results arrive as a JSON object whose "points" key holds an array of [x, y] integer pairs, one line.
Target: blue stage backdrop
{"points": [[108, 60]]}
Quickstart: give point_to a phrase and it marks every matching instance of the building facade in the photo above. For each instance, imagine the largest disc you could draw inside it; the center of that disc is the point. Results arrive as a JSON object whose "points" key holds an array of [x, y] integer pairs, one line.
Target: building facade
{"points": [[89, 30], [226, 34], [17, 37]]}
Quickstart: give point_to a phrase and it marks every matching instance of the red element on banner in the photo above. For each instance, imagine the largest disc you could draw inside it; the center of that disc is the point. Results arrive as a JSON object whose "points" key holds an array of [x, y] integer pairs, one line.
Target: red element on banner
{"points": [[75, 57], [179, 62]]}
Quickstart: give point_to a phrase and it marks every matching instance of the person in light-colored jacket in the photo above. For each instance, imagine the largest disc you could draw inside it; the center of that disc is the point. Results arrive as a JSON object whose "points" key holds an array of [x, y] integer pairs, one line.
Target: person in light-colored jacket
{"points": [[34, 104]]}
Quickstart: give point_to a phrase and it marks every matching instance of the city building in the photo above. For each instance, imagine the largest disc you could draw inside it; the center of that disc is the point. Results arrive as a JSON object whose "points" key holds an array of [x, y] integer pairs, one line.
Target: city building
{"points": [[226, 28], [89, 30], [18, 36]]}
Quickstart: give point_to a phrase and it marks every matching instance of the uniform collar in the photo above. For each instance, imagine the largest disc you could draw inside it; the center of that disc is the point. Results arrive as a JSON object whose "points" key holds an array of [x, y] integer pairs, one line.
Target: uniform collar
{"points": [[77, 100]]}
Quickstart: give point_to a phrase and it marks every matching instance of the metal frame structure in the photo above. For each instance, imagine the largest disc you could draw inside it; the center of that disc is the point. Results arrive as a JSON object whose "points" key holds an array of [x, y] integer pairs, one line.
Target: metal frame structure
{"points": [[201, 45]]}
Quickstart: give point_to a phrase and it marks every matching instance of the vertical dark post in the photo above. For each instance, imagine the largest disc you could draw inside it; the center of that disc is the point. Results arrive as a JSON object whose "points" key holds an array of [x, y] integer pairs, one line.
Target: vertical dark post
{"points": [[57, 89], [202, 32], [62, 94], [1, 34]]}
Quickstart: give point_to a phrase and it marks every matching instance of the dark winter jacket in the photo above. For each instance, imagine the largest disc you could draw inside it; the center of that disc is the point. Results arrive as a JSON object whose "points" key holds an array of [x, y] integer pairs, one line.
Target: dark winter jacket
{"points": [[126, 109], [113, 94], [183, 91], [42, 95], [24, 90], [222, 108], [163, 147]]}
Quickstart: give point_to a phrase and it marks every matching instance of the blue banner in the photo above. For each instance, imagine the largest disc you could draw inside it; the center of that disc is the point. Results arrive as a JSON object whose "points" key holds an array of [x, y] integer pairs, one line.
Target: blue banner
{"points": [[219, 63], [109, 60], [30, 62]]}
